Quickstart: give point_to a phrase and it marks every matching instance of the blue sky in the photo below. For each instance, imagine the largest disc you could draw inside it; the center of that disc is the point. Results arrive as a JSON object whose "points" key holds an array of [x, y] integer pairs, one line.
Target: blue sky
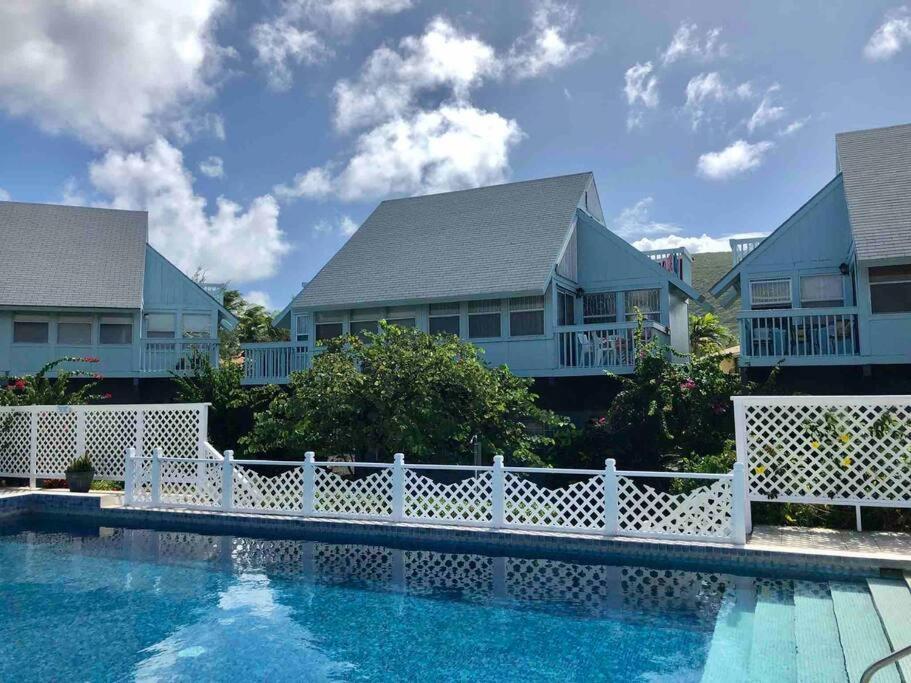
{"points": [[260, 134]]}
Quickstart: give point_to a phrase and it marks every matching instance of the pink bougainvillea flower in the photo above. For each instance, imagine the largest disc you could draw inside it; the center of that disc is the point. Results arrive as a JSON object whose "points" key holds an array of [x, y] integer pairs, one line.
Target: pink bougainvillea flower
{"points": [[688, 384], [107, 396], [719, 408], [90, 359], [20, 384], [97, 375]]}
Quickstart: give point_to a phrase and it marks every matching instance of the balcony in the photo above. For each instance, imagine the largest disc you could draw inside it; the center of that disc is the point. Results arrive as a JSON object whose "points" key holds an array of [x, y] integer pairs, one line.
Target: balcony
{"points": [[677, 261], [273, 362], [166, 357], [594, 349], [741, 247], [800, 336]]}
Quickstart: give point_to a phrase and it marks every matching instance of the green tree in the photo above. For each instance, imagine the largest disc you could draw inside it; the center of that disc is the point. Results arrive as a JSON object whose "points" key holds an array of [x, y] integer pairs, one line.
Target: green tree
{"points": [[254, 325], [708, 334], [40, 389], [404, 390]]}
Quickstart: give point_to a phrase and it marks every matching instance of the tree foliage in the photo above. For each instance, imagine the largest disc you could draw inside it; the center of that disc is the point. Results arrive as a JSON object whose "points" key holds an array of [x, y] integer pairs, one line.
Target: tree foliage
{"points": [[254, 325], [40, 389], [402, 390], [708, 334]]}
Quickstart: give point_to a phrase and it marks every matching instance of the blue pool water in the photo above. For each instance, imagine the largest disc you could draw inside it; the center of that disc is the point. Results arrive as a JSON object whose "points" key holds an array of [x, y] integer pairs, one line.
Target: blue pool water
{"points": [[103, 604]]}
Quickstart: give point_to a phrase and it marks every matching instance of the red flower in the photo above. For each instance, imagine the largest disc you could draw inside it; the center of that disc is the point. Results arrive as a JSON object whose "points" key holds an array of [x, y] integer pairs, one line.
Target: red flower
{"points": [[97, 375], [19, 384], [719, 408], [688, 384], [90, 359], [107, 396]]}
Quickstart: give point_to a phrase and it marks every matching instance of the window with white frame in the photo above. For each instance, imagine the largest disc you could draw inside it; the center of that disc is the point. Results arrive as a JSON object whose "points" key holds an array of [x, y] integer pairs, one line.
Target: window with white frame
{"points": [[74, 331], [160, 325], [365, 320], [196, 325], [526, 316], [115, 330], [329, 324], [29, 329], [484, 319], [890, 289], [403, 316], [599, 307], [647, 301], [445, 319], [822, 291], [774, 293]]}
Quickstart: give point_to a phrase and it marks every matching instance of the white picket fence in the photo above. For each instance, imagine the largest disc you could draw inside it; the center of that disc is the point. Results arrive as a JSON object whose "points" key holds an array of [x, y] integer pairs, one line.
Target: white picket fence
{"points": [[834, 450], [608, 501], [39, 442]]}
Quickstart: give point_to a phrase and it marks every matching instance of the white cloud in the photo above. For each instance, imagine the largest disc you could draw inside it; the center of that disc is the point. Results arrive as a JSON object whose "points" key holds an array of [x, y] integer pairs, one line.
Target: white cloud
{"points": [[687, 44], [347, 226], [695, 245], [455, 146], [257, 297], [110, 72], [232, 244], [634, 221], [708, 89], [766, 112], [344, 226], [736, 158], [794, 126], [892, 36], [4, 195], [547, 47], [300, 32], [641, 90], [213, 167]]}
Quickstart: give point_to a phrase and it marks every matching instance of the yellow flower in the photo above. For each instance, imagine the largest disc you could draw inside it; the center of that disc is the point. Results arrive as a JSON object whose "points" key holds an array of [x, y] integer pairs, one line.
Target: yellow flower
{"points": [[847, 462], [760, 469], [815, 444], [845, 438]]}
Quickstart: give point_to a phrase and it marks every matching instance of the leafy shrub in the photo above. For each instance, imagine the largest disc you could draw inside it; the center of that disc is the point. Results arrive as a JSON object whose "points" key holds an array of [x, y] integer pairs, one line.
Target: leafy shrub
{"points": [[41, 390], [81, 464]]}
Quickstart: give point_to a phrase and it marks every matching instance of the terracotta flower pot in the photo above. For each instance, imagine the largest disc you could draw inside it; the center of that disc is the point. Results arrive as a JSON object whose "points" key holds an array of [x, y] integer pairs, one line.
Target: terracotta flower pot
{"points": [[79, 482]]}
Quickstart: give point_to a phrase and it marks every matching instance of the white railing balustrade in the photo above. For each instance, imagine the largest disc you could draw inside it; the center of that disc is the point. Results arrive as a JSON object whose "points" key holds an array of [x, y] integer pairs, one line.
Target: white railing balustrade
{"points": [[607, 345], [805, 333], [741, 247], [607, 502], [273, 362], [177, 356]]}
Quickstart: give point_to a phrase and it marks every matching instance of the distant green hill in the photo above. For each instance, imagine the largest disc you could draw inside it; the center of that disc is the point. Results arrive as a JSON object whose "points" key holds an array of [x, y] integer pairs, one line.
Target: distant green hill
{"points": [[707, 270]]}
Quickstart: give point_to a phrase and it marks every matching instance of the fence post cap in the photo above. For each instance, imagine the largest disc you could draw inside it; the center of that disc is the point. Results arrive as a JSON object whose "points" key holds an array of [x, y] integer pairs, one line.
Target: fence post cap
{"points": [[498, 460], [610, 465], [738, 467], [229, 454], [131, 452], [399, 458], [309, 456], [156, 452]]}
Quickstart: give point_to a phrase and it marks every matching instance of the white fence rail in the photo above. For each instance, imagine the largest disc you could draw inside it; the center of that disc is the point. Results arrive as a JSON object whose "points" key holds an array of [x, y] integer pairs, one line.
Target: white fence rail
{"points": [[39, 442], [605, 501], [835, 450]]}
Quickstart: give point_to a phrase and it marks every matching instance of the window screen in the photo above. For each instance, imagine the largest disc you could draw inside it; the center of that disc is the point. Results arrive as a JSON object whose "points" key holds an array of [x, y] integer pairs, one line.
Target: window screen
{"points": [[890, 289], [445, 319], [30, 332], [484, 319], [526, 316], [818, 291], [600, 307], [196, 325], [646, 300], [160, 325], [770, 293], [74, 331], [116, 331]]}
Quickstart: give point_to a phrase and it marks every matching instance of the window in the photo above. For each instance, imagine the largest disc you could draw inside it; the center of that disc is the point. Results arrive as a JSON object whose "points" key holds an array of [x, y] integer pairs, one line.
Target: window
{"points": [[821, 291], [74, 331], [770, 293], [566, 308], [647, 301], [366, 320], [403, 316], [30, 331], [196, 325], [484, 319], [600, 307], [160, 325], [115, 331], [444, 319], [890, 289], [300, 328], [329, 325], [526, 316]]}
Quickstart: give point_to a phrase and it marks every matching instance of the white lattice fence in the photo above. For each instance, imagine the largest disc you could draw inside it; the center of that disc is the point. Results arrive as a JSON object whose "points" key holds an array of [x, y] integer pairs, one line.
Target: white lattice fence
{"points": [[41, 441], [846, 450]]}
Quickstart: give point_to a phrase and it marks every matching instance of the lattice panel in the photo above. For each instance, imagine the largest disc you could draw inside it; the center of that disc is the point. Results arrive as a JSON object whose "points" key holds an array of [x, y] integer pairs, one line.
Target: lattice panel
{"points": [[371, 495], [703, 512], [592, 587], [577, 506], [191, 483], [107, 436], [15, 435], [468, 500], [345, 562], [854, 449], [57, 441], [281, 493], [142, 480], [428, 572], [176, 432]]}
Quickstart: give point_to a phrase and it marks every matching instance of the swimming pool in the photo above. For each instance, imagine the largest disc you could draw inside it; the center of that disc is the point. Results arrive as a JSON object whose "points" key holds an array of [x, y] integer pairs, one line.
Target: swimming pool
{"points": [[108, 604]]}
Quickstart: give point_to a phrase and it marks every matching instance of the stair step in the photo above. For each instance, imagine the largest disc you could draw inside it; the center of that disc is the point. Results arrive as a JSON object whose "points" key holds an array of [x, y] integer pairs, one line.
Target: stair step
{"points": [[773, 652], [862, 637], [892, 599], [729, 651], [819, 655]]}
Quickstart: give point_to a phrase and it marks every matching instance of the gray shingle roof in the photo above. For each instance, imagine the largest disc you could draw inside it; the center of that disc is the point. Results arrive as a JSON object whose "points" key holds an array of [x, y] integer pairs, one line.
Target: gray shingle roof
{"points": [[876, 166], [68, 256], [471, 243]]}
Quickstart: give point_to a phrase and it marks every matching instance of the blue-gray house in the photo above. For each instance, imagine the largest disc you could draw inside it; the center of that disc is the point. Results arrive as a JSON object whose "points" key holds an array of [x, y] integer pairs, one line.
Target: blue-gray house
{"points": [[527, 271], [832, 284], [77, 281]]}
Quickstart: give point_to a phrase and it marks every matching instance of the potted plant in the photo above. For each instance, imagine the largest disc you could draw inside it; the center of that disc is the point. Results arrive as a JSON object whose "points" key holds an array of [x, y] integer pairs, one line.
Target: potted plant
{"points": [[79, 474]]}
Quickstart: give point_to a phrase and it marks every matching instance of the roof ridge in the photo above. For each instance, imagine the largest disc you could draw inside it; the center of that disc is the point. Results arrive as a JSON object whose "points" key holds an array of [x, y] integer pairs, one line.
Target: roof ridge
{"points": [[872, 130], [73, 206], [485, 187]]}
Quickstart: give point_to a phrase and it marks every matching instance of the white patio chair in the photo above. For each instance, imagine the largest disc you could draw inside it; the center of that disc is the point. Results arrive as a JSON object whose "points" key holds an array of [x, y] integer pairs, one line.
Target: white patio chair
{"points": [[586, 349]]}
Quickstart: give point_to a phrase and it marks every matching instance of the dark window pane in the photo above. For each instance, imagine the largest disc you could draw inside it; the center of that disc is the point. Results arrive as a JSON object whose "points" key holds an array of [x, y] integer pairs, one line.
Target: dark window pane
{"points": [[890, 273], [525, 323], [482, 325], [116, 333], [74, 333], [402, 322], [360, 326], [448, 324], [892, 298], [328, 331], [30, 333]]}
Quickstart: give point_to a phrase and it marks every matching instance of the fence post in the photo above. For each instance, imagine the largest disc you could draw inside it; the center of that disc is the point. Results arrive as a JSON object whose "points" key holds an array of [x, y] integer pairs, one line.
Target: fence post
{"points": [[140, 431], [128, 475], [227, 481], [398, 487], [611, 499], [498, 494], [33, 449], [80, 430], [156, 476], [740, 435], [738, 504], [309, 483]]}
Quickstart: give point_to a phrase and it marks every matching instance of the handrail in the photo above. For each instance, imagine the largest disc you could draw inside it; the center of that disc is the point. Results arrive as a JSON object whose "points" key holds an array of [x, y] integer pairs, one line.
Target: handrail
{"points": [[625, 325], [868, 673], [795, 312]]}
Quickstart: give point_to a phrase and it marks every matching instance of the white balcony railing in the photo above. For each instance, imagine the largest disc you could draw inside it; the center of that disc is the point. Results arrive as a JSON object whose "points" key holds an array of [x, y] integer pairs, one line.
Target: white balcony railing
{"points": [[741, 247], [677, 261], [611, 346], [166, 356], [805, 333], [273, 362]]}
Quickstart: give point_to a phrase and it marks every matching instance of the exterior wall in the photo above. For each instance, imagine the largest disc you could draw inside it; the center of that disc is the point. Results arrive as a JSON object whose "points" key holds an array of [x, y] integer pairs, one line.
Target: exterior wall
{"points": [[679, 324], [168, 290], [884, 337]]}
